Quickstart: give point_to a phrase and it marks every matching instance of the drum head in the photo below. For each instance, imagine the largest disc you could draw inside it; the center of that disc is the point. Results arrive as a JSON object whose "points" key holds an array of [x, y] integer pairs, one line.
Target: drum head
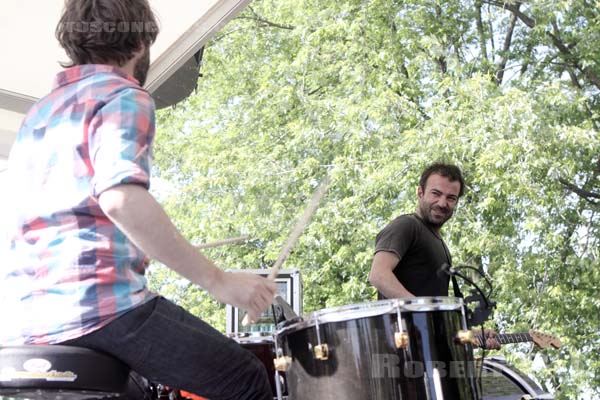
{"points": [[374, 308]]}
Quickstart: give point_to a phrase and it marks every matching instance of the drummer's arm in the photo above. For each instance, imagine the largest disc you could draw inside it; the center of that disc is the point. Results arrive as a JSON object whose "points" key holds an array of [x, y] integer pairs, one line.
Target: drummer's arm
{"points": [[383, 278]]}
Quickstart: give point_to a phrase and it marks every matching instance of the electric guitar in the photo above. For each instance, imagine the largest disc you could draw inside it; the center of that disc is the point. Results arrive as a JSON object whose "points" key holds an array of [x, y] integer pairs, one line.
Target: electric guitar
{"points": [[541, 339]]}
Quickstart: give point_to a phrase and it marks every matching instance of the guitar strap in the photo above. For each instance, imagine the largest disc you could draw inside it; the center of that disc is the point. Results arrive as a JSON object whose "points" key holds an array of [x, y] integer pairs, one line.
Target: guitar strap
{"points": [[456, 288]]}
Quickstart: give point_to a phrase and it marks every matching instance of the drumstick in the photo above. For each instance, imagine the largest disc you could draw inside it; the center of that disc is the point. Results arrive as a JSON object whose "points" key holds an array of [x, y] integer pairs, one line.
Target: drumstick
{"points": [[302, 222], [222, 242], [297, 231]]}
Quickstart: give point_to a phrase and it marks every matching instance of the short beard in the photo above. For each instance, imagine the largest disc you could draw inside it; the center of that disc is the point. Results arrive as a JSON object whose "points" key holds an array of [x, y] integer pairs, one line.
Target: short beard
{"points": [[426, 215]]}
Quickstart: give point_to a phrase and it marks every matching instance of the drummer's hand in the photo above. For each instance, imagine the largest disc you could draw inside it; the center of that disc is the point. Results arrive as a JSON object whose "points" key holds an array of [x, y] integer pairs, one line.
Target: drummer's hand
{"points": [[249, 292], [491, 342]]}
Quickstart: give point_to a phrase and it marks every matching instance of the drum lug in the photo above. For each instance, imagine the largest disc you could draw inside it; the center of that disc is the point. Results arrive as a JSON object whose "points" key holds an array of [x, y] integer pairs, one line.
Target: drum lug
{"points": [[283, 363], [321, 351], [465, 336], [401, 340]]}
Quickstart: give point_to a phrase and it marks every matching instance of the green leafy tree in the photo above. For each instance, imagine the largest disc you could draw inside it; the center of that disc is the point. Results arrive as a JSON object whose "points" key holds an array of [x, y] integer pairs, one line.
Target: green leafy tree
{"points": [[368, 93]]}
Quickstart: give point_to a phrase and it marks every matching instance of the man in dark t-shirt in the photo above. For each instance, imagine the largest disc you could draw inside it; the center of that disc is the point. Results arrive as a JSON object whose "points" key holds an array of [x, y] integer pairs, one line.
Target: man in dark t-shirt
{"points": [[410, 252]]}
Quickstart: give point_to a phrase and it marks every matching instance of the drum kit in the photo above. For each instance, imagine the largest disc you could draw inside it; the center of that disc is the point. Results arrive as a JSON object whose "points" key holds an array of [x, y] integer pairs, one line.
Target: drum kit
{"points": [[416, 349], [398, 349]]}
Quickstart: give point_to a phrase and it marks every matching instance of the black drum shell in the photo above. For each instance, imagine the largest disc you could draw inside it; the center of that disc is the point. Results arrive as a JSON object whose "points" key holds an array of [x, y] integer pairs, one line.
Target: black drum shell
{"points": [[364, 362]]}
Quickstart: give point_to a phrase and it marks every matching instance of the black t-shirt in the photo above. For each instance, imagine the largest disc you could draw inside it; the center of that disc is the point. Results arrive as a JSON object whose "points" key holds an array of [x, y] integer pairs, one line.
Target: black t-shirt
{"points": [[422, 253]]}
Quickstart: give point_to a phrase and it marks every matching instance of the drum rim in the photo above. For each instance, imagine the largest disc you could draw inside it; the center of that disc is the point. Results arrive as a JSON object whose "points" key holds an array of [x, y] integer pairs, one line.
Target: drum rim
{"points": [[375, 308], [494, 365], [251, 337]]}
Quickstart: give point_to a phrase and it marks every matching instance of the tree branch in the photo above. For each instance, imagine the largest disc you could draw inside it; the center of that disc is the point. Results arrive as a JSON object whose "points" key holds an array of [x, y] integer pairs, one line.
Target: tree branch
{"points": [[563, 48], [479, 23], [266, 22], [514, 8], [505, 49], [585, 194]]}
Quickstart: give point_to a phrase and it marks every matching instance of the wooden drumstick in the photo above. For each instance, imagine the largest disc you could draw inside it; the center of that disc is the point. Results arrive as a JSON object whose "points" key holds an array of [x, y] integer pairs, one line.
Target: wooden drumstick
{"points": [[223, 242], [296, 232]]}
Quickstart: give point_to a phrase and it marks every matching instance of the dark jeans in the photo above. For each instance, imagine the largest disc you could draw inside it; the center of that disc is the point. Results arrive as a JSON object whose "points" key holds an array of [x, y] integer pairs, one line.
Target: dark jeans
{"points": [[164, 343]]}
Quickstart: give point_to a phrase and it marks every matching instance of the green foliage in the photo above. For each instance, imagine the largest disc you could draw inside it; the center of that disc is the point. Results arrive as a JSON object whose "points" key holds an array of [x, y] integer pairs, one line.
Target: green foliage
{"points": [[369, 93]]}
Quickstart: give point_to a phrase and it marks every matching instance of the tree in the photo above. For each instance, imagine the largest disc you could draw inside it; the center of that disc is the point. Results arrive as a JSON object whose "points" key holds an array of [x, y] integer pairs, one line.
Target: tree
{"points": [[370, 92]]}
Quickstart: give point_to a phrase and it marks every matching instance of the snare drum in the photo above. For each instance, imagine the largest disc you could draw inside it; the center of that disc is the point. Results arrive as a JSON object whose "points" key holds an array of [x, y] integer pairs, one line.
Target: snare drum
{"points": [[389, 349]]}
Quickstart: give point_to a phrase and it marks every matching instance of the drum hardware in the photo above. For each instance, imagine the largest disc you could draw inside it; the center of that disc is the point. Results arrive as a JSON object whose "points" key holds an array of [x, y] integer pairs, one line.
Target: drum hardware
{"points": [[284, 316], [400, 337], [282, 363], [321, 352], [401, 340]]}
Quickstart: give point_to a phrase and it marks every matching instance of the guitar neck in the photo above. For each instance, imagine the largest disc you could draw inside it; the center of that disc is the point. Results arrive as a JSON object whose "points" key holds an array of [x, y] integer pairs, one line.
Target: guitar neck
{"points": [[506, 338]]}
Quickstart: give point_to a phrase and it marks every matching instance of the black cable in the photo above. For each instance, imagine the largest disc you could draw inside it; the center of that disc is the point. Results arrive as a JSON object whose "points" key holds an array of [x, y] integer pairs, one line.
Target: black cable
{"points": [[487, 303], [483, 348], [481, 274]]}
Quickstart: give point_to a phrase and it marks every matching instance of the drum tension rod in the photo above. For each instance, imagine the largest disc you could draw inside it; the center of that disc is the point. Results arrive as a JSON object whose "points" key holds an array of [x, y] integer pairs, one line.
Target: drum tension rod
{"points": [[321, 350], [465, 335], [282, 363], [400, 337]]}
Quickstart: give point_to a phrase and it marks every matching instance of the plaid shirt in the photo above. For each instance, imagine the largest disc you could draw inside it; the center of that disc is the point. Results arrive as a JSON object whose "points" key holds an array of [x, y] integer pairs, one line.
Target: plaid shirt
{"points": [[70, 270]]}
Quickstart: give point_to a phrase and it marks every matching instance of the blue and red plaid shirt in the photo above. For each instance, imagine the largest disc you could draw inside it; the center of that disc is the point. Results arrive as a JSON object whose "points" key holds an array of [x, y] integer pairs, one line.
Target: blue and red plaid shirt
{"points": [[70, 270]]}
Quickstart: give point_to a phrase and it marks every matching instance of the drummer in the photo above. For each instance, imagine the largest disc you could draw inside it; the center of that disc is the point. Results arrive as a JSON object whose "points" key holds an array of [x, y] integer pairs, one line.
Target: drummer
{"points": [[84, 225], [410, 252]]}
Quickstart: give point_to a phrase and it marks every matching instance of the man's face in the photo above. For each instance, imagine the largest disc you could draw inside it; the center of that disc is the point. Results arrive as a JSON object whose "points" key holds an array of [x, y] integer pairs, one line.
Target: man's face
{"points": [[438, 199], [140, 70]]}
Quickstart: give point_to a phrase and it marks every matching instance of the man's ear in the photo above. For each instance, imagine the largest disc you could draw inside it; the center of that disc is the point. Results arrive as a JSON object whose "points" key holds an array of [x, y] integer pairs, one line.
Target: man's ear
{"points": [[419, 192]]}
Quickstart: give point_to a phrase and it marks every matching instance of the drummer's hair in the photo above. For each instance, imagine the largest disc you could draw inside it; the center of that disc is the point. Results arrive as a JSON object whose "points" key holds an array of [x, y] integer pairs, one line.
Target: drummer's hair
{"points": [[450, 171], [105, 31]]}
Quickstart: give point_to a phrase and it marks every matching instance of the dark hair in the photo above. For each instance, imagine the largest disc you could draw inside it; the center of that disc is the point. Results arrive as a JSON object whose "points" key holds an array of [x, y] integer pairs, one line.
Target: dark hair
{"points": [[452, 172], [105, 31]]}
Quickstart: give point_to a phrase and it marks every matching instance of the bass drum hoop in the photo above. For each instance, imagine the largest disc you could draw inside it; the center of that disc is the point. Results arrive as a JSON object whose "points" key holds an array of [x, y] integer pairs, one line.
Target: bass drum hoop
{"points": [[375, 308], [515, 378]]}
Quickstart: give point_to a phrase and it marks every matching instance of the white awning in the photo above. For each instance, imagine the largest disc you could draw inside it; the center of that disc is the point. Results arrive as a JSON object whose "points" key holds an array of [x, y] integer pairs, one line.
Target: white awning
{"points": [[30, 52]]}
